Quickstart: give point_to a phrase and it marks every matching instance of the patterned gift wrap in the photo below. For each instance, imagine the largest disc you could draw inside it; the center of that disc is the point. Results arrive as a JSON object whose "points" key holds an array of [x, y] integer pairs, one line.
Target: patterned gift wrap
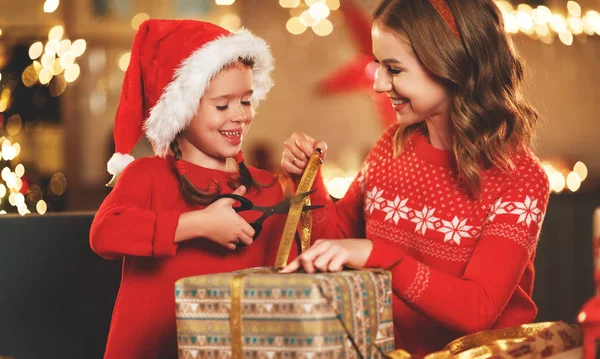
{"points": [[258, 313]]}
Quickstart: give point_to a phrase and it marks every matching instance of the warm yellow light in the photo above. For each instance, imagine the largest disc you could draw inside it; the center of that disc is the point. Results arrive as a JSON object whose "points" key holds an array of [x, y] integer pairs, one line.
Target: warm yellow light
{"points": [[311, 2], [45, 76], [338, 186], [138, 19], [58, 184], [11, 199], [51, 5], [72, 73], [581, 169], [575, 25], [56, 67], [13, 124], [289, 3], [17, 148], [558, 23], [78, 47], [67, 61], [588, 27], [319, 11], [511, 25], [574, 8], [524, 8], [2, 190], [63, 47], [504, 6], [5, 172], [41, 207], [333, 4], [573, 181], [542, 30], [35, 50], [566, 37], [525, 21], [22, 209], [231, 22], [323, 28], [543, 14], [4, 99], [124, 61], [47, 60], [20, 170], [295, 26], [307, 19], [56, 33], [0, 32], [9, 153], [548, 38], [58, 86], [557, 182], [224, 2]]}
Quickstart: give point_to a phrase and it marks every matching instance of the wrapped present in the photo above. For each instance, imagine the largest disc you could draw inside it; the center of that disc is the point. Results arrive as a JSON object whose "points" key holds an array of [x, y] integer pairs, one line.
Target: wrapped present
{"points": [[261, 314]]}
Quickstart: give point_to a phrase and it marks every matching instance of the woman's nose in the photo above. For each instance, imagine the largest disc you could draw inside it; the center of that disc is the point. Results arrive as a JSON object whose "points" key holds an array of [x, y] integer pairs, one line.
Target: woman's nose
{"points": [[382, 82]]}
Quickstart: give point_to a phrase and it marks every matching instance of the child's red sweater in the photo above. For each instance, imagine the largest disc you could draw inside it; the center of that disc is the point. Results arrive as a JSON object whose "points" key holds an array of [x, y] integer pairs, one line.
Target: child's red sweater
{"points": [[137, 223], [467, 265]]}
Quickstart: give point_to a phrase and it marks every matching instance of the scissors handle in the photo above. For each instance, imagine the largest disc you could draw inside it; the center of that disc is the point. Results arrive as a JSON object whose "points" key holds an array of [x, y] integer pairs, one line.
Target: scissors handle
{"points": [[245, 204]]}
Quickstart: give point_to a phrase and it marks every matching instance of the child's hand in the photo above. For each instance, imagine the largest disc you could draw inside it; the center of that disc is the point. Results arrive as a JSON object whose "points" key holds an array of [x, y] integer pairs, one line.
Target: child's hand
{"points": [[221, 224], [332, 255], [297, 150]]}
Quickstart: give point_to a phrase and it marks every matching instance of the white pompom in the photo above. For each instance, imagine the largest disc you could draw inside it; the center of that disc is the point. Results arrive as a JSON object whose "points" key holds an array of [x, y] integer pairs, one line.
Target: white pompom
{"points": [[118, 162]]}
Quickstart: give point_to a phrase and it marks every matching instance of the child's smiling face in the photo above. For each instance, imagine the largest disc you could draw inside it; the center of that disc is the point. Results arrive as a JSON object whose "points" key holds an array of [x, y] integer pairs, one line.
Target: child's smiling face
{"points": [[224, 115]]}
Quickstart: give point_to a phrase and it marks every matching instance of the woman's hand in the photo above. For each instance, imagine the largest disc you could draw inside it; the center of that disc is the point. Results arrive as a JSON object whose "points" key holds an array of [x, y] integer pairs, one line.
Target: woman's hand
{"points": [[218, 223], [297, 150], [332, 255]]}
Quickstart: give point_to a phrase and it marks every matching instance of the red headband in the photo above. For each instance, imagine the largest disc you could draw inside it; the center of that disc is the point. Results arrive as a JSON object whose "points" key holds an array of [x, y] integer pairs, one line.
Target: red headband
{"points": [[442, 8]]}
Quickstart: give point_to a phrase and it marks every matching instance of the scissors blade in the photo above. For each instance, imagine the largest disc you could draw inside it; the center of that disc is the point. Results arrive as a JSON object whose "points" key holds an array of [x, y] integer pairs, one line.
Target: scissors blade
{"points": [[311, 207], [284, 206]]}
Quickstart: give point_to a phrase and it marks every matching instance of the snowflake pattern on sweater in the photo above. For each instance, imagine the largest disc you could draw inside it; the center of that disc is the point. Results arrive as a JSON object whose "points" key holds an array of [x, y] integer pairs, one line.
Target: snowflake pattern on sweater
{"points": [[467, 264]]}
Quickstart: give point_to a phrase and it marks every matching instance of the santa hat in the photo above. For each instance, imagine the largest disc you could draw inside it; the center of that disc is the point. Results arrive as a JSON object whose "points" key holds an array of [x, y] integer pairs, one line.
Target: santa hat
{"points": [[172, 63]]}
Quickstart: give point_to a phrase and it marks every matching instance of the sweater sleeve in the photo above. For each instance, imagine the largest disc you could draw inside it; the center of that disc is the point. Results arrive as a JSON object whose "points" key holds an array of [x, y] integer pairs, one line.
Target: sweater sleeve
{"points": [[342, 219], [126, 226], [475, 300]]}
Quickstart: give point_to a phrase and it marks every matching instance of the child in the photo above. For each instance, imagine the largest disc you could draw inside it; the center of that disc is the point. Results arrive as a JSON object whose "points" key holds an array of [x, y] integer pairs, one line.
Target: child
{"points": [[451, 198], [192, 87]]}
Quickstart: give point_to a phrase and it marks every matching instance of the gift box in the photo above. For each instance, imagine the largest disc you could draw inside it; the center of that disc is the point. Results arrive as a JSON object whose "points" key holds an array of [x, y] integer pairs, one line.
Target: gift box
{"points": [[259, 313]]}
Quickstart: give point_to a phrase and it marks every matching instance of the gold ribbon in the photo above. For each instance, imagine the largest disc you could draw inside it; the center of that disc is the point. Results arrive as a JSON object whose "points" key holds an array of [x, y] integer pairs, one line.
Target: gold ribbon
{"points": [[236, 288], [295, 215], [490, 336], [235, 315], [488, 343], [295, 212]]}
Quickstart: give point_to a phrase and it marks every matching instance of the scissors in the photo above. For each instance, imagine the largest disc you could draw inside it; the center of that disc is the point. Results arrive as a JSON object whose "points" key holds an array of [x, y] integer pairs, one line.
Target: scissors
{"points": [[279, 208]]}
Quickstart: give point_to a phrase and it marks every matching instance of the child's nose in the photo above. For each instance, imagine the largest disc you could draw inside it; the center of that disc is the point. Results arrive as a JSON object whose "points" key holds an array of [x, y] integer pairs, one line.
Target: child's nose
{"points": [[240, 115]]}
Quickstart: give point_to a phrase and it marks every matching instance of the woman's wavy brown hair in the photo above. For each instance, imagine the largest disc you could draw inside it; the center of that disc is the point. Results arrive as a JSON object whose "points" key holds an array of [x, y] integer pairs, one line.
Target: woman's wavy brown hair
{"points": [[194, 195], [482, 72]]}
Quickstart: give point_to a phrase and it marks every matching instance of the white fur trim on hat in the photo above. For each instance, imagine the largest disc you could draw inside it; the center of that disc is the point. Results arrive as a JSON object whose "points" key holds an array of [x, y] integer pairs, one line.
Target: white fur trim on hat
{"points": [[179, 101], [118, 162]]}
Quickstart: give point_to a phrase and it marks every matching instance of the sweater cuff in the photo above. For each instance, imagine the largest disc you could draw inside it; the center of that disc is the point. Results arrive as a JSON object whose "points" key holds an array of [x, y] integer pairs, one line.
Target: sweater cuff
{"points": [[384, 255], [164, 234], [321, 196]]}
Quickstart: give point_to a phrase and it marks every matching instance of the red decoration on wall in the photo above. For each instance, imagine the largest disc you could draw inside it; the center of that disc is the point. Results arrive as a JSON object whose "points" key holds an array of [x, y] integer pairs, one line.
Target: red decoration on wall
{"points": [[358, 74]]}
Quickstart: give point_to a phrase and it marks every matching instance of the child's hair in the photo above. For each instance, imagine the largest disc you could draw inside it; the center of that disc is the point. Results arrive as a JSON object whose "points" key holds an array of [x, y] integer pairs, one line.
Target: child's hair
{"points": [[194, 195], [482, 72]]}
